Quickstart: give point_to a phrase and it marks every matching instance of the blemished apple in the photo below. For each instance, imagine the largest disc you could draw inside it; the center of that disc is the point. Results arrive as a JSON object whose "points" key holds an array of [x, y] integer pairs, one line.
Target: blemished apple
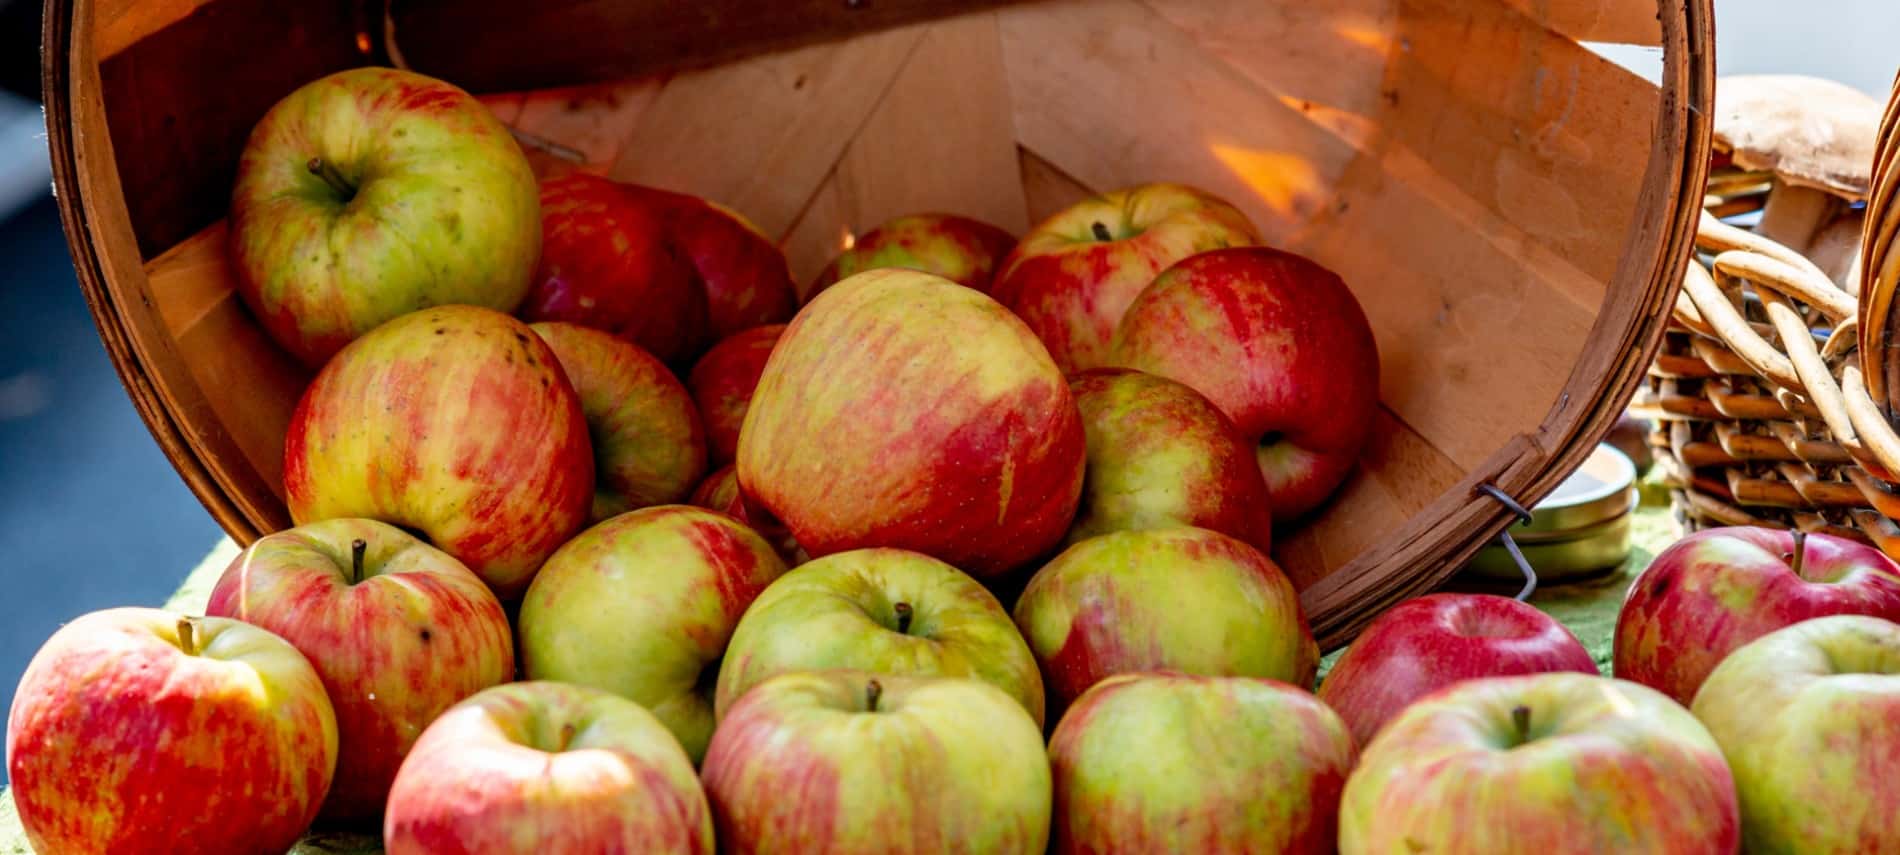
{"points": [[642, 605], [1161, 455], [455, 422], [397, 630], [140, 730], [720, 492], [607, 262], [747, 283], [1425, 644], [723, 382], [542, 768], [373, 192], [1554, 764], [1133, 769], [1718, 589], [963, 250], [1181, 599], [854, 763], [1280, 344], [903, 410], [1809, 719], [649, 447], [882, 610], [1072, 277]]}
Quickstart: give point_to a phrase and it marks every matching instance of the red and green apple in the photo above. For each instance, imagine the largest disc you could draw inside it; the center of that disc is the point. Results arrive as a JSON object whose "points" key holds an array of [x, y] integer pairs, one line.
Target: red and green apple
{"points": [[963, 250], [723, 382]]}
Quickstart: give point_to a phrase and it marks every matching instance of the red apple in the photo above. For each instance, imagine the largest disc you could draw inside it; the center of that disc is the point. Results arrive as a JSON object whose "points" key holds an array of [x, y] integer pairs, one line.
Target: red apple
{"points": [[649, 448], [856, 763], [723, 381], [1426, 644], [456, 422], [373, 192], [397, 630], [960, 249], [720, 492], [138, 730], [746, 281], [1074, 275], [607, 263], [1161, 455], [545, 768], [1281, 346], [901, 409], [1718, 589], [1172, 763]]}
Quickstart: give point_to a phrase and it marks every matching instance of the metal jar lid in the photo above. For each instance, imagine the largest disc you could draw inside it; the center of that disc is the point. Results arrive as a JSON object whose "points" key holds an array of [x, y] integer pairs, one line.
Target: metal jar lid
{"points": [[1580, 529]]}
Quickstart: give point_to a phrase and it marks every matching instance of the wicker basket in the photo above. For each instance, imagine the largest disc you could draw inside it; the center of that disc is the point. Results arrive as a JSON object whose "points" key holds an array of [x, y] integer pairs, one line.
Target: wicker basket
{"points": [[1772, 389], [1514, 211]]}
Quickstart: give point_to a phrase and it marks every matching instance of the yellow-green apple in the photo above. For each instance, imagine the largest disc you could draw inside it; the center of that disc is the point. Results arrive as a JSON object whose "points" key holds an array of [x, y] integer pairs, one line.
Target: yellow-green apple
{"points": [[882, 610], [1161, 455], [1555, 764], [373, 192], [720, 492], [456, 422], [397, 630], [1281, 346], [746, 281], [543, 768], [1074, 275], [642, 605], [1718, 589], [1178, 599], [1425, 644], [140, 730], [649, 448], [1809, 719], [851, 763], [901, 409], [960, 249], [1134, 772], [606, 263], [723, 382]]}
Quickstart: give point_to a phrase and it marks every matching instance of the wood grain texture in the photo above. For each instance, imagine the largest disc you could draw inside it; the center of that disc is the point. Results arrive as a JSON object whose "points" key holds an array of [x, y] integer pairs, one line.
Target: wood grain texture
{"points": [[1046, 188], [1632, 22]]}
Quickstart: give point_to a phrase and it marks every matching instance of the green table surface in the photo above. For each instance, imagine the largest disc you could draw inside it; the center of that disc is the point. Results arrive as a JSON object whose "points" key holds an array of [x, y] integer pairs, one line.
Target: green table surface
{"points": [[1588, 608]]}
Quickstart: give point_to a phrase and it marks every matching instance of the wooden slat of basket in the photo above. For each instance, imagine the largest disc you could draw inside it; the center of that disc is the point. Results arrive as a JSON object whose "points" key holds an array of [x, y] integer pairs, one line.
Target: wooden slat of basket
{"points": [[1749, 446], [1879, 493], [1806, 448], [1721, 358], [1752, 406], [1047, 190], [1288, 53], [1818, 493], [1616, 21]]}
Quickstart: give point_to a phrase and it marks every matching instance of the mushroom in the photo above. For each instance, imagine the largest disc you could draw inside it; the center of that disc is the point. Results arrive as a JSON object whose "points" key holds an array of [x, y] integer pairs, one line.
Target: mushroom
{"points": [[1816, 137]]}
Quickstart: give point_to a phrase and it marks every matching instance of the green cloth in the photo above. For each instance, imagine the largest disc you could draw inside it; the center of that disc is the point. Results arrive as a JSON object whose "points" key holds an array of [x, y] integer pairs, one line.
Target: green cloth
{"points": [[1588, 608]]}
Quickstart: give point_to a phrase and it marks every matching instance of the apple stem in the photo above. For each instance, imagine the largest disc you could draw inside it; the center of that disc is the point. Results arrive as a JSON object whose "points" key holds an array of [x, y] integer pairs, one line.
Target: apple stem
{"points": [[903, 617], [567, 737], [186, 642], [872, 691], [357, 548], [324, 170], [1521, 719], [1101, 231], [1800, 549]]}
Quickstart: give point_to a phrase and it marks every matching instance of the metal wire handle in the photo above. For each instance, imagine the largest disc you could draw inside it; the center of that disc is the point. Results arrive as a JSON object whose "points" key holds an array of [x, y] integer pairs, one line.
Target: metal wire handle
{"points": [[1510, 544]]}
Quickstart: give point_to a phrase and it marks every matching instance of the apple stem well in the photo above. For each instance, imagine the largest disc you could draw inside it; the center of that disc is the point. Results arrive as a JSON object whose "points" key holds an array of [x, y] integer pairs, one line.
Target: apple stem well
{"points": [[903, 617], [326, 171], [1100, 231], [186, 641], [1521, 722], [357, 548], [873, 690]]}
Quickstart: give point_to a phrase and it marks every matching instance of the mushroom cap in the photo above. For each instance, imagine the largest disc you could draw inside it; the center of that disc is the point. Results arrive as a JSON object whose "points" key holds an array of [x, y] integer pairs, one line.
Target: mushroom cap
{"points": [[1808, 131]]}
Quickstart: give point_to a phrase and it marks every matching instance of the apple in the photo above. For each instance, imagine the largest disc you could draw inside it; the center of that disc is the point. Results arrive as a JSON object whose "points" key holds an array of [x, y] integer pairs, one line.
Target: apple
{"points": [[853, 763], [607, 263], [455, 422], [1718, 589], [1553, 764], [1281, 346], [1073, 276], [746, 280], [1161, 455], [960, 249], [542, 768], [883, 610], [1809, 719], [723, 382], [1179, 599], [642, 605], [720, 492], [397, 630], [134, 728], [1133, 771], [649, 448], [1425, 644], [372, 192], [901, 409]]}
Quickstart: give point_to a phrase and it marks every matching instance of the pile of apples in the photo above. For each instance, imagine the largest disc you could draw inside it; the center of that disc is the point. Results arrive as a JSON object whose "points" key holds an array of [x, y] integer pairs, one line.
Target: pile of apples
{"points": [[517, 613]]}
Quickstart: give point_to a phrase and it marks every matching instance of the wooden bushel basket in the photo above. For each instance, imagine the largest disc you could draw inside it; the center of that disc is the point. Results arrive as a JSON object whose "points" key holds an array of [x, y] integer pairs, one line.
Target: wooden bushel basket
{"points": [[1513, 211]]}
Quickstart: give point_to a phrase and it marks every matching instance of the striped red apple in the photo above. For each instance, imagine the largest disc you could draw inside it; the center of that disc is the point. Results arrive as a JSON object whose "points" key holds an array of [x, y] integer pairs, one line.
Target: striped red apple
{"points": [[723, 382], [963, 250]]}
